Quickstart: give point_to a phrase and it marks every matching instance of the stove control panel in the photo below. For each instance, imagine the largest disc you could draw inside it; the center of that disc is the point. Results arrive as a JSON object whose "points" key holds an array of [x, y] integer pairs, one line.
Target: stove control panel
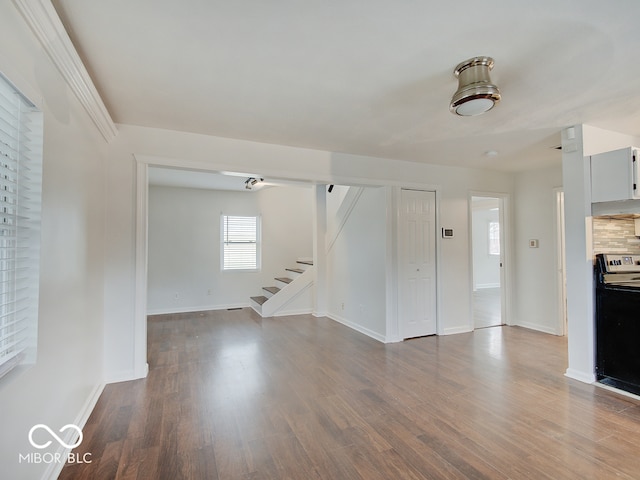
{"points": [[620, 263]]}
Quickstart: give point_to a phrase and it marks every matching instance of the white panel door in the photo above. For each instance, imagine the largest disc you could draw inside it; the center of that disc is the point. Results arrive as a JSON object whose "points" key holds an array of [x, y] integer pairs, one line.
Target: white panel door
{"points": [[417, 264]]}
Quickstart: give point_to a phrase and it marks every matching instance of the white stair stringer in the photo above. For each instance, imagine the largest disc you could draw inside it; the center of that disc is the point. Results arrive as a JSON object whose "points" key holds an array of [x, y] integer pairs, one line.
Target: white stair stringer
{"points": [[335, 225], [288, 294]]}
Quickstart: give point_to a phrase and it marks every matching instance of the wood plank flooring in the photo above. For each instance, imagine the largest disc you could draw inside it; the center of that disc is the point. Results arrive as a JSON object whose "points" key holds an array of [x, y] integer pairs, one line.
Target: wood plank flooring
{"points": [[487, 307], [233, 396]]}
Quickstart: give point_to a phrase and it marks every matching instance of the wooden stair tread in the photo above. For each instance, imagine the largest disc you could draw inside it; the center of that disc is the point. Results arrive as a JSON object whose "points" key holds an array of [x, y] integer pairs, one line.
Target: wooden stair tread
{"points": [[259, 300]]}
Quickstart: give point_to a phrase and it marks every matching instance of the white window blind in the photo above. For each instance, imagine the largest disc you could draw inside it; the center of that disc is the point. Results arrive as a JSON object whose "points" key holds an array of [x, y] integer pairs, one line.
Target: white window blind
{"points": [[20, 193], [240, 243]]}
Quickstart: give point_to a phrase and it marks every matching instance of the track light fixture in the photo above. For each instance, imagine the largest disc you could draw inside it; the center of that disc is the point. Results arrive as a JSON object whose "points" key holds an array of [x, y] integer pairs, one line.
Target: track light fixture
{"points": [[476, 94], [251, 181]]}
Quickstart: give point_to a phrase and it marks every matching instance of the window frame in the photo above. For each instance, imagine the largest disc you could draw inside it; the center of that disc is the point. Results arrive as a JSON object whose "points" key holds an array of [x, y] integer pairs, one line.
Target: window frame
{"points": [[21, 137], [224, 243], [491, 240]]}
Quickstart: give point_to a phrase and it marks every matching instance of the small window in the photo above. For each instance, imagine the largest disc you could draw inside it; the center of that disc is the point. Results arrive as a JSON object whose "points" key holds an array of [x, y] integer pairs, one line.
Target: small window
{"points": [[20, 193], [240, 243], [494, 238]]}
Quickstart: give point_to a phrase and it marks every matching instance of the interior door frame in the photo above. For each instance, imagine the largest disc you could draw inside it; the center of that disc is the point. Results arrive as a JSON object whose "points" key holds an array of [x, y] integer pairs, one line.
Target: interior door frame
{"points": [[393, 256], [561, 266], [506, 271]]}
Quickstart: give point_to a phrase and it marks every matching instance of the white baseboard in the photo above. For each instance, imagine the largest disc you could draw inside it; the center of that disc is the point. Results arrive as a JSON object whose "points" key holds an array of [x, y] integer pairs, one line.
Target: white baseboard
{"points": [[121, 376], [54, 468], [126, 375], [539, 328], [358, 328], [393, 339], [287, 313], [584, 377], [456, 330], [89, 405], [369, 333], [203, 308]]}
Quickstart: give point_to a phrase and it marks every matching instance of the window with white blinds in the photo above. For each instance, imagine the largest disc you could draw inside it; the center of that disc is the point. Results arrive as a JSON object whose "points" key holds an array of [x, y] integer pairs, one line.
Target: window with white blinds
{"points": [[240, 243], [20, 191], [494, 238]]}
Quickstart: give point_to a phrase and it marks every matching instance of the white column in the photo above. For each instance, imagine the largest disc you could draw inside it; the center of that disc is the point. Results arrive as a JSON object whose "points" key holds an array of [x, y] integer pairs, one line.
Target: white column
{"points": [[579, 256], [141, 367], [320, 250]]}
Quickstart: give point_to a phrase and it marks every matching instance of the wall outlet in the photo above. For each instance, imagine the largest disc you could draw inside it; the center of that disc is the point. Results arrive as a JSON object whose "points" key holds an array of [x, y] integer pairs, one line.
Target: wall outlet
{"points": [[176, 296], [342, 305]]}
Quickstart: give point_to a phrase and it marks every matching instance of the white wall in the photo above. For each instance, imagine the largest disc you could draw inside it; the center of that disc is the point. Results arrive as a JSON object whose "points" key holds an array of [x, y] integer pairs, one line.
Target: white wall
{"points": [[62, 386], [184, 244], [356, 267], [334, 200], [287, 229], [536, 289]]}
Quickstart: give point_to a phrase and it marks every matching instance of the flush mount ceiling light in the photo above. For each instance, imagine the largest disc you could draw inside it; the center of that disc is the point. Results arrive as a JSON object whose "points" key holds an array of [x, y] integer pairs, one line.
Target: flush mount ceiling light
{"points": [[476, 94]]}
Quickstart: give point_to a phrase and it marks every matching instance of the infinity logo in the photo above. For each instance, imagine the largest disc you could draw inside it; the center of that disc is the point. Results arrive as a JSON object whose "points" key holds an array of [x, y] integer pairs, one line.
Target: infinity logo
{"points": [[53, 434]]}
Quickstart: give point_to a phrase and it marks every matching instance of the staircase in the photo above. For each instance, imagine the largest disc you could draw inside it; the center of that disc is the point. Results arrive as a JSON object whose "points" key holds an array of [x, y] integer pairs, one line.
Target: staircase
{"points": [[289, 294]]}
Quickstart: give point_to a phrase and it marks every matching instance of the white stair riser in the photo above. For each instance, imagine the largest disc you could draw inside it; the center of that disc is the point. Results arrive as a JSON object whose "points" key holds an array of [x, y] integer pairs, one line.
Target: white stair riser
{"points": [[271, 306], [257, 307]]}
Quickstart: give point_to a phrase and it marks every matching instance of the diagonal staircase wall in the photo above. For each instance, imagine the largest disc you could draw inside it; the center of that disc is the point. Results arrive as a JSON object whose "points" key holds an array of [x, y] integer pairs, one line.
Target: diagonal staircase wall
{"points": [[294, 297]]}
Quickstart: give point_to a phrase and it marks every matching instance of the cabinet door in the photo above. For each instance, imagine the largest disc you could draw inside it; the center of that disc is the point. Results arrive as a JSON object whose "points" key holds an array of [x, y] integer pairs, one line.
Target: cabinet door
{"points": [[613, 176]]}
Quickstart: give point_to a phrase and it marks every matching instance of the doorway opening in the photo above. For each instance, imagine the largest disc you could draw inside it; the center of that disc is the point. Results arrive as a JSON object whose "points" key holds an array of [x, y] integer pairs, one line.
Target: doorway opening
{"points": [[487, 245]]}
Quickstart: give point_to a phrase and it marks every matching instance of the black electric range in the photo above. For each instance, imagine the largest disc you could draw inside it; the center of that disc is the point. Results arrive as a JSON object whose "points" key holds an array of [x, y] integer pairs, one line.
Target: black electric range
{"points": [[617, 289]]}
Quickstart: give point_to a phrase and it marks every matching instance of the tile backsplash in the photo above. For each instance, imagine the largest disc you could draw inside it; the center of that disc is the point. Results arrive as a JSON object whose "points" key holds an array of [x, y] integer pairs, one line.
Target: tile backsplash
{"points": [[615, 235]]}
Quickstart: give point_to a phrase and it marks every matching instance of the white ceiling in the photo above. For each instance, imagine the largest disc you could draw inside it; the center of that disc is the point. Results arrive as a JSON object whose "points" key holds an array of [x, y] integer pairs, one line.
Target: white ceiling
{"points": [[370, 77], [233, 181], [170, 177]]}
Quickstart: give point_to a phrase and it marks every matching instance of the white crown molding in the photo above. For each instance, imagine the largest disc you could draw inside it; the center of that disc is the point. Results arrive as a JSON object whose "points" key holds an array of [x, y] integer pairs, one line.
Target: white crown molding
{"points": [[46, 24]]}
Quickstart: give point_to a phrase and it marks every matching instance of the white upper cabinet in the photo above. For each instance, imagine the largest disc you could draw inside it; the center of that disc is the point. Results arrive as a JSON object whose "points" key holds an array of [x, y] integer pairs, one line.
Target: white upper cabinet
{"points": [[614, 176]]}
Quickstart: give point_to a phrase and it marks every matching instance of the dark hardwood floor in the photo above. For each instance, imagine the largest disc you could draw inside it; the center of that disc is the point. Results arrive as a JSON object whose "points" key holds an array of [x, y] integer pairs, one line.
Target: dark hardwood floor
{"points": [[233, 396]]}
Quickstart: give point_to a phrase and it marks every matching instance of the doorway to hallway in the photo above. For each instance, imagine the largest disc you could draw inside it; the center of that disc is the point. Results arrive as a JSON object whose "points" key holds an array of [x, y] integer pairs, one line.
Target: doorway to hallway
{"points": [[487, 225]]}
